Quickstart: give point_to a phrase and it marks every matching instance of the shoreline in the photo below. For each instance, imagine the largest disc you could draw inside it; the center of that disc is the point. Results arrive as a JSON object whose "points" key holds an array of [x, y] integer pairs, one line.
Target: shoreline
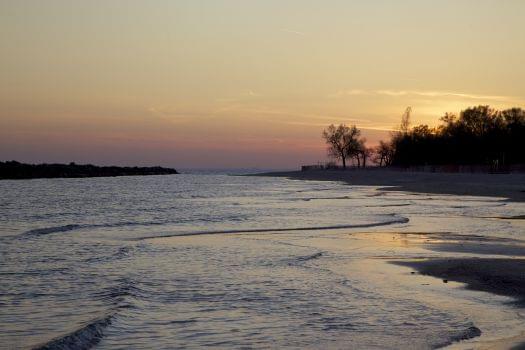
{"points": [[509, 186], [499, 276], [492, 266]]}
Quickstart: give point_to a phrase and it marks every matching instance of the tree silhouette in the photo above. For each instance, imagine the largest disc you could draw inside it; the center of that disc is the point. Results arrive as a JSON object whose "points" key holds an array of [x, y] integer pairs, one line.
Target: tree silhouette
{"points": [[342, 141], [481, 135], [383, 153], [405, 121]]}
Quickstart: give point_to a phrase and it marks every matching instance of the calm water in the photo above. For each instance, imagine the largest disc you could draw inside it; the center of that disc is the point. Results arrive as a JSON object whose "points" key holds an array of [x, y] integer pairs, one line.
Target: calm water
{"points": [[192, 261]]}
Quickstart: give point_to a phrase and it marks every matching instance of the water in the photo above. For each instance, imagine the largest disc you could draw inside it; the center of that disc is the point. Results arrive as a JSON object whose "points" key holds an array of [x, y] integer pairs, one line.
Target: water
{"points": [[191, 261]]}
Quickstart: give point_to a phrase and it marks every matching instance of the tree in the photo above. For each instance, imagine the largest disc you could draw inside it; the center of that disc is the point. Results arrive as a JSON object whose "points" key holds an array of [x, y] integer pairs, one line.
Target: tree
{"points": [[356, 149], [479, 136], [449, 121], [514, 116], [384, 153], [479, 120], [366, 153], [405, 121], [342, 141]]}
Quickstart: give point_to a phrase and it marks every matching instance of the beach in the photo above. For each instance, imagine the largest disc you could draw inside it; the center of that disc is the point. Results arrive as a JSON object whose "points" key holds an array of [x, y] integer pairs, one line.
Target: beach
{"points": [[192, 261], [481, 263], [511, 186], [148, 198]]}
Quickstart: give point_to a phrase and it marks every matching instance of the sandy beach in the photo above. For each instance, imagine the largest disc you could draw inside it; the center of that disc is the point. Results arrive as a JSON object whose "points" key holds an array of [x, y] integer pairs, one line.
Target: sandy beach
{"points": [[511, 186]]}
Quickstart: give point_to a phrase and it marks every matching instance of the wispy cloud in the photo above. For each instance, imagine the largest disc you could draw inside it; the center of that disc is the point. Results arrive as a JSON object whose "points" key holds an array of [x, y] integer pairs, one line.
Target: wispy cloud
{"points": [[296, 32], [351, 92], [441, 94], [175, 115], [322, 125], [239, 98], [251, 93], [423, 93]]}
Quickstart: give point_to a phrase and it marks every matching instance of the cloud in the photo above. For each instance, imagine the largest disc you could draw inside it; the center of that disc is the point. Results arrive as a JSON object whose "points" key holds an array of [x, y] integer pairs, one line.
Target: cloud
{"points": [[352, 92], [173, 115], [423, 93], [239, 98], [296, 32], [252, 94], [323, 125], [440, 94]]}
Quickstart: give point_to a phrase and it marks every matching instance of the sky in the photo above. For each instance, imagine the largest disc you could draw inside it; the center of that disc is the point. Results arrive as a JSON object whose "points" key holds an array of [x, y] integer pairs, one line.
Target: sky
{"points": [[242, 84]]}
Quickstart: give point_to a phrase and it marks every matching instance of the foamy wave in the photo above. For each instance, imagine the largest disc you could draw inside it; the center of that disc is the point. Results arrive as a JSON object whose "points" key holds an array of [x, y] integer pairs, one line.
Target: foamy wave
{"points": [[82, 338]]}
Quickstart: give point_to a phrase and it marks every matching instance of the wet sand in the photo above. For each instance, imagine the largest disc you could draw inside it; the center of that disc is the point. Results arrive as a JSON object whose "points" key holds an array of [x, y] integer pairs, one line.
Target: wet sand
{"points": [[511, 186], [486, 264], [493, 265], [481, 263], [503, 276]]}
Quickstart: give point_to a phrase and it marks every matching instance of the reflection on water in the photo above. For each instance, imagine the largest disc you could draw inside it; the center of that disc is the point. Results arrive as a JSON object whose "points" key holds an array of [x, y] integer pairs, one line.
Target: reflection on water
{"points": [[124, 263]]}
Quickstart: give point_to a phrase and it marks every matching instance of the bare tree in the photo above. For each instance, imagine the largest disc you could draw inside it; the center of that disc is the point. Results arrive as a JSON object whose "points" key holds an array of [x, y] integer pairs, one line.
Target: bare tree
{"points": [[342, 141], [358, 152], [366, 153], [384, 153], [405, 121], [355, 149]]}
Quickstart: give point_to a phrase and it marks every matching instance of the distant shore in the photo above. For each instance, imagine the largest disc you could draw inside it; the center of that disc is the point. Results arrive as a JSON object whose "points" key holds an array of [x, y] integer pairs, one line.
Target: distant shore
{"points": [[510, 186], [17, 171]]}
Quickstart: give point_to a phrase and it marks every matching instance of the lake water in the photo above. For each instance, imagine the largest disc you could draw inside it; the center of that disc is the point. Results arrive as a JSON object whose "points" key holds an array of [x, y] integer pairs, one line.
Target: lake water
{"points": [[191, 261]]}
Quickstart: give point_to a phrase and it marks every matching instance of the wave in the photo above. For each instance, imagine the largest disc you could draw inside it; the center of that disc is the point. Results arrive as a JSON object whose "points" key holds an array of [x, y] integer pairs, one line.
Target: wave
{"points": [[298, 260], [307, 199], [121, 294], [72, 227], [400, 220], [120, 253], [388, 205], [90, 334], [309, 257], [82, 338], [466, 334], [53, 229]]}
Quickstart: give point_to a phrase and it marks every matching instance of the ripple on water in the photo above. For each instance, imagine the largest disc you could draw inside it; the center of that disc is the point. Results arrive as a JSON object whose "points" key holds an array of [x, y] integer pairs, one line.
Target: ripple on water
{"points": [[215, 274]]}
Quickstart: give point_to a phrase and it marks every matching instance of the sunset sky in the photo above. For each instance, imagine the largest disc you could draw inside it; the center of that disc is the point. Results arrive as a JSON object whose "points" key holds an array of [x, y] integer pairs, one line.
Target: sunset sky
{"points": [[229, 84]]}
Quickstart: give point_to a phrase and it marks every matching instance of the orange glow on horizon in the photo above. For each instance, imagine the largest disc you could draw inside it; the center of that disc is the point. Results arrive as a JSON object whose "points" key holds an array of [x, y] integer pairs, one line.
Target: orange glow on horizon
{"points": [[165, 82]]}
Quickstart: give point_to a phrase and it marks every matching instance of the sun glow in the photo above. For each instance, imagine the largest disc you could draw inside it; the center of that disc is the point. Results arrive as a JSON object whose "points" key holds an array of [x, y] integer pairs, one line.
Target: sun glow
{"points": [[165, 80]]}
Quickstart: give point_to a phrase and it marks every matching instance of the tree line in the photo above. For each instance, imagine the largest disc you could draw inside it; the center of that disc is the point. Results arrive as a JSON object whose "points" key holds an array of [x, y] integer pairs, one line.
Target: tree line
{"points": [[479, 135], [16, 170]]}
